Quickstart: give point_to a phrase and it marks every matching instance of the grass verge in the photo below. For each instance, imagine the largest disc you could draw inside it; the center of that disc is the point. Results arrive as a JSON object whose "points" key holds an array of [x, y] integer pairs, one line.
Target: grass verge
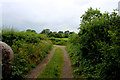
{"points": [[54, 68], [62, 38]]}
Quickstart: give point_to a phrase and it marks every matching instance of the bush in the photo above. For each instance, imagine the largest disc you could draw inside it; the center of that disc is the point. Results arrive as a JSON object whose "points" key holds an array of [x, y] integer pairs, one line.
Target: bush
{"points": [[29, 49], [95, 50]]}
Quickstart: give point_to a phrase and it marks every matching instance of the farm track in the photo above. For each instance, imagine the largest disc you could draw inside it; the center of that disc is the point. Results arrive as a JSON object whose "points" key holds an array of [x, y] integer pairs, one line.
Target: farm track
{"points": [[67, 70], [36, 71]]}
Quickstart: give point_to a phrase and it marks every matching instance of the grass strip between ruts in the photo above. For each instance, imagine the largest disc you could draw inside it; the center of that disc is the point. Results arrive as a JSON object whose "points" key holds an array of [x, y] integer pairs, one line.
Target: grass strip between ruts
{"points": [[54, 68]]}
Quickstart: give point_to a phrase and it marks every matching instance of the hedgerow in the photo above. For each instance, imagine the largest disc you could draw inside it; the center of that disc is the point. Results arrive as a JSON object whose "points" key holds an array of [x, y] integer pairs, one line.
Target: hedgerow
{"points": [[95, 51], [58, 41], [29, 49]]}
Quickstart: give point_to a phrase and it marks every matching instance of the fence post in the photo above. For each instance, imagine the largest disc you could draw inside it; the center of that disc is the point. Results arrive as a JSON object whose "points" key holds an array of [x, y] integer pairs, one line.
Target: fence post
{"points": [[7, 57]]}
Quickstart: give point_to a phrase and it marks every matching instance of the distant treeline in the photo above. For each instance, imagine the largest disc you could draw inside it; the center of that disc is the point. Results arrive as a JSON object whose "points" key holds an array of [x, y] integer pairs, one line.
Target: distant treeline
{"points": [[49, 33]]}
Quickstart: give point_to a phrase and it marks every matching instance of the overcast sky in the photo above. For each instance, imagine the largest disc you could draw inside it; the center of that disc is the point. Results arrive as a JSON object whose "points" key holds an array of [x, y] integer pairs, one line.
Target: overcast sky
{"points": [[55, 15]]}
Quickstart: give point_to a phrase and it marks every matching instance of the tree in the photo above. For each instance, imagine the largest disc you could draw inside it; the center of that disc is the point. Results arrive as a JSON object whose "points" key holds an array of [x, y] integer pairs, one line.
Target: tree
{"points": [[33, 31], [66, 34], [61, 32], [72, 32], [45, 31], [89, 15], [29, 30], [59, 35]]}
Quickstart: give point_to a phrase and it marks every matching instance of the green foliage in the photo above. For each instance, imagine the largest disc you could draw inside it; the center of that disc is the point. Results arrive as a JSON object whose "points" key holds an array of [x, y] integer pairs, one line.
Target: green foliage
{"points": [[66, 34], [54, 68], [90, 14], [29, 49], [59, 41], [95, 50], [59, 34], [29, 30], [46, 31]]}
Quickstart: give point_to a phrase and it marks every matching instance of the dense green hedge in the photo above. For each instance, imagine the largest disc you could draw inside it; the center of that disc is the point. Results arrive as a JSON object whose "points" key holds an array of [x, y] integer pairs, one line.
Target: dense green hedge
{"points": [[95, 51], [29, 49], [59, 41]]}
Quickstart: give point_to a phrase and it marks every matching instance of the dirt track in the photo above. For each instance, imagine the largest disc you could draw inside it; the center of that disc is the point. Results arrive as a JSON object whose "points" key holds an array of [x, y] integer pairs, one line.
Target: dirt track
{"points": [[67, 70], [36, 71]]}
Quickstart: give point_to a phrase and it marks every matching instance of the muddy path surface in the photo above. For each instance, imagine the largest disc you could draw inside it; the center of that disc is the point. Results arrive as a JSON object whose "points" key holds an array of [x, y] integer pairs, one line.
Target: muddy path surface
{"points": [[36, 71]]}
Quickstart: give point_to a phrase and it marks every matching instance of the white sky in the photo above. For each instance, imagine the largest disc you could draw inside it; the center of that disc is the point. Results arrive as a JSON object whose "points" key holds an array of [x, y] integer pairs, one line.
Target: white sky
{"points": [[55, 15]]}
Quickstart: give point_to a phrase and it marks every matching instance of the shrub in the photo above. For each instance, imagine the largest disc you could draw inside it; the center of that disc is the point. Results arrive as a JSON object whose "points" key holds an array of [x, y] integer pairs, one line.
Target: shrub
{"points": [[95, 50], [29, 49]]}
